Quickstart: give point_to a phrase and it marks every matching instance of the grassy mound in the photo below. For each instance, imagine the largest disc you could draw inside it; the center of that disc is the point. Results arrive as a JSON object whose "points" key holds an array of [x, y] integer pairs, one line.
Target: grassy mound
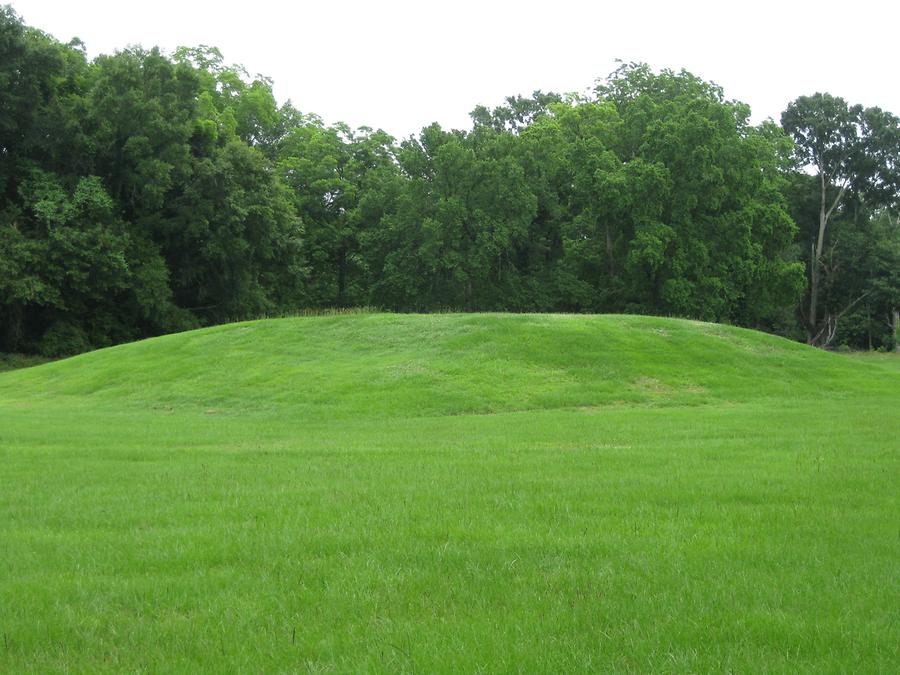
{"points": [[376, 365], [451, 492]]}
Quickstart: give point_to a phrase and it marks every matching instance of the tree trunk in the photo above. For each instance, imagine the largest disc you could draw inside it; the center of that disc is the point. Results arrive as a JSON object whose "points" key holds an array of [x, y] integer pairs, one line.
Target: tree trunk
{"points": [[895, 325], [815, 273], [869, 325], [815, 265]]}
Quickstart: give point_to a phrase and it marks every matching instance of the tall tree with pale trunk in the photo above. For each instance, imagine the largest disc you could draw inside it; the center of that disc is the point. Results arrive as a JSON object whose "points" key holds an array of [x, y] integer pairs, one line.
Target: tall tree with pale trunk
{"points": [[852, 150]]}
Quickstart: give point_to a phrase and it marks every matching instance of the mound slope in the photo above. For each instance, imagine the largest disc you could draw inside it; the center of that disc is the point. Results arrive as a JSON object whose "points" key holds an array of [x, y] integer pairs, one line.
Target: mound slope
{"points": [[411, 365]]}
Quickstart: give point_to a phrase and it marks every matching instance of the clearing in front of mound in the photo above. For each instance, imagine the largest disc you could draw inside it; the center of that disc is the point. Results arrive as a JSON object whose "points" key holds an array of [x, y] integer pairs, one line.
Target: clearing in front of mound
{"points": [[451, 492]]}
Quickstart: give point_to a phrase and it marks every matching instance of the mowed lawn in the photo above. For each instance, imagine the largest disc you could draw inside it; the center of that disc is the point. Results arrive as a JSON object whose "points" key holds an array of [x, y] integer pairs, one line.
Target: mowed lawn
{"points": [[452, 493]]}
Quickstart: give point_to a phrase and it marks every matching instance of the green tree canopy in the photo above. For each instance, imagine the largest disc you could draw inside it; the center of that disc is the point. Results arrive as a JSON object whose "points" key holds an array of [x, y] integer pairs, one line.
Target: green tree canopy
{"points": [[142, 192]]}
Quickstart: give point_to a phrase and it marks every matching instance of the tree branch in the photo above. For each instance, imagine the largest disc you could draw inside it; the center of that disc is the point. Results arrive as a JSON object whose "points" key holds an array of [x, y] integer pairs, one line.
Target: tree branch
{"points": [[829, 328], [836, 201], [852, 305]]}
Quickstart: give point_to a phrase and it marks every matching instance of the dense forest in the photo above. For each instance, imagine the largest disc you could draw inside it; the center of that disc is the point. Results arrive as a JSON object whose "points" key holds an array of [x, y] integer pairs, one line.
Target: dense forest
{"points": [[143, 193]]}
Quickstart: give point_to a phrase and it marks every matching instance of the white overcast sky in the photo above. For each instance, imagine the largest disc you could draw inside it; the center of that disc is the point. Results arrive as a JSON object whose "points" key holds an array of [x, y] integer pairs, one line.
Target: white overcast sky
{"points": [[400, 65]]}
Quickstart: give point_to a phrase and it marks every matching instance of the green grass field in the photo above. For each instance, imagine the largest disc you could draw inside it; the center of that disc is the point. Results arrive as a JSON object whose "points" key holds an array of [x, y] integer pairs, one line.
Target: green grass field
{"points": [[466, 493]]}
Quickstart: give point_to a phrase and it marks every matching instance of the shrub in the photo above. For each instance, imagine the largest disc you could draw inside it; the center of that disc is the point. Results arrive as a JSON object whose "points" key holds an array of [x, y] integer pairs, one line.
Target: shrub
{"points": [[64, 338]]}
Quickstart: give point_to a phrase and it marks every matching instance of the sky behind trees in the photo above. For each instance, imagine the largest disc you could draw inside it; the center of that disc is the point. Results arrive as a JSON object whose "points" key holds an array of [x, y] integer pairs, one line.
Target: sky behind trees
{"points": [[401, 65]]}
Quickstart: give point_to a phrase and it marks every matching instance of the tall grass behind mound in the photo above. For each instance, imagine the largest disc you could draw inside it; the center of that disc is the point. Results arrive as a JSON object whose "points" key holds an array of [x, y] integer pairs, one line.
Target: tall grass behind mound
{"points": [[16, 361], [401, 365]]}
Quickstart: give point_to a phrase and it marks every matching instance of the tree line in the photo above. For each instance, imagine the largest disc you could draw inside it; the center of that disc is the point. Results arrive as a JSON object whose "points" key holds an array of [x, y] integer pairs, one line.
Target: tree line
{"points": [[143, 193]]}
